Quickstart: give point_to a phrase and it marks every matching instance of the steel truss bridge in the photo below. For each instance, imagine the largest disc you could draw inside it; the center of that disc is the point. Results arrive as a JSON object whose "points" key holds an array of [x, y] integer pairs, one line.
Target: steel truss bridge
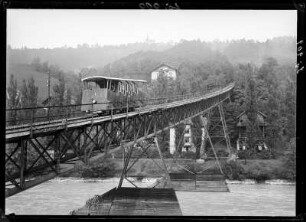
{"points": [[74, 140]]}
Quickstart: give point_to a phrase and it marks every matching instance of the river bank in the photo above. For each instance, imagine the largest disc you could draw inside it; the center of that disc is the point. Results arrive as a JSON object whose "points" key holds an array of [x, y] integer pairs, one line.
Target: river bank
{"points": [[240, 170]]}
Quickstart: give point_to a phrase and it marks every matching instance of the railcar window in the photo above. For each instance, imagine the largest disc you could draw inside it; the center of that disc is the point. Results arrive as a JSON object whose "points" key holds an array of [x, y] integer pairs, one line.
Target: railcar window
{"points": [[133, 87], [136, 88], [124, 89], [127, 89], [85, 85], [120, 87], [102, 84], [114, 85], [92, 85]]}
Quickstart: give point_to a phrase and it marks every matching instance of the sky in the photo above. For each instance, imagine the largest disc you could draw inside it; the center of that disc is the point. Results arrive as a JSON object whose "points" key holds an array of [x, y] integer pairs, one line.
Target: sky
{"points": [[50, 28]]}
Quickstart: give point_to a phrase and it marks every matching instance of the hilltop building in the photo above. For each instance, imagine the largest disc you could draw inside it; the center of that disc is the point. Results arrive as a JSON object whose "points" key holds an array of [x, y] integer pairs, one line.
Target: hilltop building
{"points": [[166, 70]]}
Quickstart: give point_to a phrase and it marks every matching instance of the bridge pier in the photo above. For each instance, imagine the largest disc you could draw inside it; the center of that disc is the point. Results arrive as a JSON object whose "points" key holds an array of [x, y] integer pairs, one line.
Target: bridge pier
{"points": [[57, 153], [144, 146], [172, 140], [203, 136]]}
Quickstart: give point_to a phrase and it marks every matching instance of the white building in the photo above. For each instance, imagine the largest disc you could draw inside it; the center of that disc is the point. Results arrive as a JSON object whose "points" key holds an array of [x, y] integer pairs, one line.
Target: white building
{"points": [[168, 71]]}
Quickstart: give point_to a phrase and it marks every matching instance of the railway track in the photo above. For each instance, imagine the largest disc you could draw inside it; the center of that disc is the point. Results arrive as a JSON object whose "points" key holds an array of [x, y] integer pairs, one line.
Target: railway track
{"points": [[88, 119]]}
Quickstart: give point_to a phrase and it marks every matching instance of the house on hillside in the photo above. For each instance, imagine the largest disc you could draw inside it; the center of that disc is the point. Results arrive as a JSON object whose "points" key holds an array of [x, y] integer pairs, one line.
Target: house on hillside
{"points": [[243, 122], [167, 70]]}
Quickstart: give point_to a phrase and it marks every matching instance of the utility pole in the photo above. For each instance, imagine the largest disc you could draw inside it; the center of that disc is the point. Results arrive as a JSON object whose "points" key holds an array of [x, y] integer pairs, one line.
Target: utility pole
{"points": [[49, 100]]}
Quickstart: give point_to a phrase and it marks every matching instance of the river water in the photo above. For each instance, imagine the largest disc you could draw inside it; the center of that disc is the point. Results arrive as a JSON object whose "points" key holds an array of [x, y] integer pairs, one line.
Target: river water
{"points": [[59, 196]]}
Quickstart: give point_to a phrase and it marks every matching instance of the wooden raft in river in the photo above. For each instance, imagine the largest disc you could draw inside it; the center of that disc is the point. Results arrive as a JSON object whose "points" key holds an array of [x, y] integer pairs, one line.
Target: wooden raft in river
{"points": [[135, 201], [198, 182]]}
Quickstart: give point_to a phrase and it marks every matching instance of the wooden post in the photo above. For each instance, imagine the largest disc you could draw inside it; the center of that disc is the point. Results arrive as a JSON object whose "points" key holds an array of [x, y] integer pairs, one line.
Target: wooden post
{"points": [[23, 153], [112, 111], [97, 136], [123, 156], [172, 147], [203, 137], [92, 110], [127, 105], [49, 98], [228, 142], [85, 148], [212, 146], [126, 163], [58, 156], [162, 159]]}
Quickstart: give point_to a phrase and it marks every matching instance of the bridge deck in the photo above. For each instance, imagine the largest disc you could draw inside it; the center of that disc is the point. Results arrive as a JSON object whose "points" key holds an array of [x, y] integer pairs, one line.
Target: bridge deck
{"points": [[25, 130]]}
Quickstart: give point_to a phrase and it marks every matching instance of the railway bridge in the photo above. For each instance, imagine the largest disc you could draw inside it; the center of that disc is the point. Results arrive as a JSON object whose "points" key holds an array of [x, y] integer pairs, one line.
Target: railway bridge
{"points": [[58, 144]]}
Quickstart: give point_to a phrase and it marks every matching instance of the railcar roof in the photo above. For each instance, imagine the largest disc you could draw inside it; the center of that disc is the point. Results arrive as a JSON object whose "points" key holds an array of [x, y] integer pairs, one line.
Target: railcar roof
{"points": [[95, 78]]}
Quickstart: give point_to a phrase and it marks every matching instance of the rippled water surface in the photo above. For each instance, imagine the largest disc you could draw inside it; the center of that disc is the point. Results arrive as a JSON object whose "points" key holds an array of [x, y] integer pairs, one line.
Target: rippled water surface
{"points": [[60, 196]]}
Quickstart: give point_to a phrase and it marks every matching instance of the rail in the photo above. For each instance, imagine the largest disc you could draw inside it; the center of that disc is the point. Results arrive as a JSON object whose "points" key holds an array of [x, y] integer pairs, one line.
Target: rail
{"points": [[30, 116]]}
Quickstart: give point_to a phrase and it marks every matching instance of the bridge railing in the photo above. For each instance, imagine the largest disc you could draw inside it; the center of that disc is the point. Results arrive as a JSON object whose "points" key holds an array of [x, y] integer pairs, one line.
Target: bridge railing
{"points": [[32, 115]]}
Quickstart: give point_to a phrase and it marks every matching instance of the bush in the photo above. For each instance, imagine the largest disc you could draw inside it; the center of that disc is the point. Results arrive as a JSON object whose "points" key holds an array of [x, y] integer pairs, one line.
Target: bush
{"points": [[222, 153], [250, 154], [106, 169], [233, 170], [167, 155], [188, 155], [264, 154], [244, 154], [289, 159], [259, 174]]}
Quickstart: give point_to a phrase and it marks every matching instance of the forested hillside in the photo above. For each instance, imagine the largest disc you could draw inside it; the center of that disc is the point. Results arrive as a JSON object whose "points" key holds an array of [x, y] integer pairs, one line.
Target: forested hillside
{"points": [[246, 51], [149, 53], [24, 72], [74, 59]]}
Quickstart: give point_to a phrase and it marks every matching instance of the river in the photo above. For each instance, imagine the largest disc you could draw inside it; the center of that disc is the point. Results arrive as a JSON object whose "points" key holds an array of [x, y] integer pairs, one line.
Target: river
{"points": [[59, 196]]}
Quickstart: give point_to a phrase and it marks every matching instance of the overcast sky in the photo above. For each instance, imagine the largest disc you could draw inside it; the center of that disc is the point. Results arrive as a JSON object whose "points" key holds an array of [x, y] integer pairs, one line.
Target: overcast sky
{"points": [[56, 28]]}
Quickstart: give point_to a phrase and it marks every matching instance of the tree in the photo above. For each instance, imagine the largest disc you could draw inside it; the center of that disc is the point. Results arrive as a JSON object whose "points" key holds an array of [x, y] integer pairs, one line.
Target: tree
{"points": [[78, 89], [32, 92], [45, 67], [36, 63], [250, 103], [59, 91], [54, 70], [13, 99], [68, 96], [29, 93], [160, 85]]}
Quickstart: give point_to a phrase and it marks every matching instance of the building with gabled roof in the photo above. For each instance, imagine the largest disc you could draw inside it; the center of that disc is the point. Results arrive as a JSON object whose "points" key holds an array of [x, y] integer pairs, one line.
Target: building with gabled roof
{"points": [[167, 70], [243, 122]]}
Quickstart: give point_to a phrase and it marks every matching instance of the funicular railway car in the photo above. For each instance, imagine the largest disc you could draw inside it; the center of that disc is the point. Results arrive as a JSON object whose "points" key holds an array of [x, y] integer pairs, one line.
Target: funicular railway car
{"points": [[102, 94]]}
